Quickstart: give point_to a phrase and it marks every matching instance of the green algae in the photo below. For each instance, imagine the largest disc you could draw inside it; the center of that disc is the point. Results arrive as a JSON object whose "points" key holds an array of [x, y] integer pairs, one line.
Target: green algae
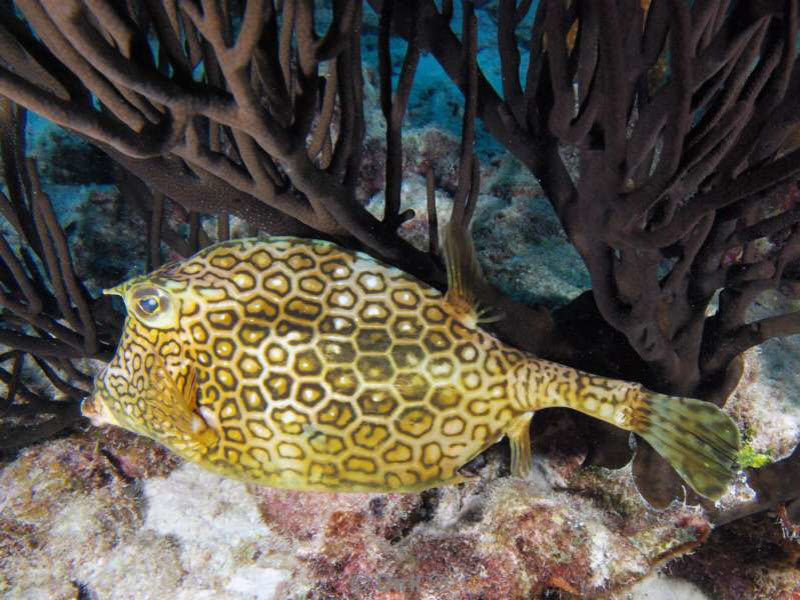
{"points": [[749, 458]]}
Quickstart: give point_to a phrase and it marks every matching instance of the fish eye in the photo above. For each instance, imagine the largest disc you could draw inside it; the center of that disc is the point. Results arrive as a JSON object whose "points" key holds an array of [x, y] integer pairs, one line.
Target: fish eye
{"points": [[149, 305]]}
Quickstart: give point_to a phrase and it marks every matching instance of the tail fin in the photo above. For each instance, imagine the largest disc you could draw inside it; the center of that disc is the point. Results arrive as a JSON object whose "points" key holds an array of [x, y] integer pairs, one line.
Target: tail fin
{"points": [[699, 440]]}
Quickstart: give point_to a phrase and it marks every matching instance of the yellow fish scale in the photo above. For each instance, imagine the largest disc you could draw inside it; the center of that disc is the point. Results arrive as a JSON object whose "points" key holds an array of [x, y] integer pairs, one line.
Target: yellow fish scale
{"points": [[299, 364]]}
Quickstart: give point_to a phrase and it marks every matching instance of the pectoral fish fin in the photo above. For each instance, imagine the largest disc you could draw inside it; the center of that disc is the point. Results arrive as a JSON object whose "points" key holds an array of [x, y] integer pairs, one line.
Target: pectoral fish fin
{"points": [[465, 280], [197, 424], [519, 435]]}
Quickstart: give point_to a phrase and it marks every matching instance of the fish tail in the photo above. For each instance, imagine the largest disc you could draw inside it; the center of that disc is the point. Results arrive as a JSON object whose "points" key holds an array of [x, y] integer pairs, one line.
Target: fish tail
{"points": [[699, 440]]}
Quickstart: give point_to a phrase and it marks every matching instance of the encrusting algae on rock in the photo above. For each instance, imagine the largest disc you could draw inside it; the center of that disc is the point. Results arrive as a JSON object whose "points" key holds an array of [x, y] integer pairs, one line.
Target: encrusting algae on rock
{"points": [[298, 364]]}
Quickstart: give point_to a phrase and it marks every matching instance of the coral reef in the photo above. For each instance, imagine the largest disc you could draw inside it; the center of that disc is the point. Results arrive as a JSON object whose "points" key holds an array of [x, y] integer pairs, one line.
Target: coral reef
{"points": [[102, 511]]}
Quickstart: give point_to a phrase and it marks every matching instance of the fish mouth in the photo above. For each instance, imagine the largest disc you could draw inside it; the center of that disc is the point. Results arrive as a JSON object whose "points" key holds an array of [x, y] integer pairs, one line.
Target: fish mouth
{"points": [[96, 410]]}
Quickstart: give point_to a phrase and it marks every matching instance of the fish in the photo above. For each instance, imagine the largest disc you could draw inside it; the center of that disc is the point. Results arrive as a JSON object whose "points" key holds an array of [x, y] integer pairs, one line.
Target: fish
{"points": [[299, 364]]}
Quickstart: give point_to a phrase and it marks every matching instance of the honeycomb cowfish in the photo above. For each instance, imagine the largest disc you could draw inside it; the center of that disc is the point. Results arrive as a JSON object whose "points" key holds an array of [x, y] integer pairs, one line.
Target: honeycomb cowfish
{"points": [[299, 364]]}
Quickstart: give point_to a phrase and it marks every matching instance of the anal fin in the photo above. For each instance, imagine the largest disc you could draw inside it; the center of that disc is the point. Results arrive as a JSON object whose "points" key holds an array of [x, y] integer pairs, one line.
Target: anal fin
{"points": [[519, 435]]}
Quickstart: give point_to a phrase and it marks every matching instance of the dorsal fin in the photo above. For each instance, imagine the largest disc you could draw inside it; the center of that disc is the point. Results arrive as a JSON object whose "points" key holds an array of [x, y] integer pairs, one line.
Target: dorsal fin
{"points": [[465, 280]]}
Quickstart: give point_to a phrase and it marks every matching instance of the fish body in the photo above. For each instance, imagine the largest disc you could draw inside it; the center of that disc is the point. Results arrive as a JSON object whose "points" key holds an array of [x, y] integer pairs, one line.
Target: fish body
{"points": [[299, 364]]}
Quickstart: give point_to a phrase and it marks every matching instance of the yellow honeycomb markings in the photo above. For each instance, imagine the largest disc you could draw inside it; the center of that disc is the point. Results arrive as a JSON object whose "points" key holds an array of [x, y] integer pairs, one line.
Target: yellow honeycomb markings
{"points": [[192, 268], [337, 325], [471, 380], [223, 348], [436, 341], [310, 393], [224, 377], [398, 453], [247, 461], [412, 386], [375, 368], [370, 435], [392, 481], [434, 315], [407, 356], [307, 363], [277, 355], [341, 298], [446, 397], [261, 259], [372, 339], [303, 309], [441, 367], [498, 391], [229, 410], [289, 420], [262, 308], [453, 426], [261, 455], [415, 421], [244, 281], [249, 366], [322, 248], [467, 352], [323, 443], [289, 450], [277, 283], [374, 312], [407, 328], [480, 432], [231, 455], [279, 386], [478, 407], [325, 474], [371, 282], [336, 269], [259, 430], [431, 454], [253, 398], [342, 380], [493, 366], [224, 261], [338, 352], [170, 348], [233, 434], [377, 402], [252, 335], [311, 284], [300, 261], [360, 464], [338, 414], [222, 318], [294, 333], [405, 298], [512, 357]]}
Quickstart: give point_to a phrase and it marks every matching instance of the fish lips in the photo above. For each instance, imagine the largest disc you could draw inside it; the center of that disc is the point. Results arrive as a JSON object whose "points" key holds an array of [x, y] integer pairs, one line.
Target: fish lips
{"points": [[96, 410]]}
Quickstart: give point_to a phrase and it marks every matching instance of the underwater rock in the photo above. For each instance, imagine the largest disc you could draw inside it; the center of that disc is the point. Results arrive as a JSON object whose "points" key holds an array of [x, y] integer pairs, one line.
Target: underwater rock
{"points": [[71, 505], [65, 510]]}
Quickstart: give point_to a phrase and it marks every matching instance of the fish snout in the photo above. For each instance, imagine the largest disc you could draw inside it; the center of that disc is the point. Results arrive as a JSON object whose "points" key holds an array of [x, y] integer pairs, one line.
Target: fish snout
{"points": [[96, 410]]}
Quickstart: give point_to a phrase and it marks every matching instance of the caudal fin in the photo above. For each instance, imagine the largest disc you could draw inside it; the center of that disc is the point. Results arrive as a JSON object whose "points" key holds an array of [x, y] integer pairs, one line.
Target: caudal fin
{"points": [[699, 440]]}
